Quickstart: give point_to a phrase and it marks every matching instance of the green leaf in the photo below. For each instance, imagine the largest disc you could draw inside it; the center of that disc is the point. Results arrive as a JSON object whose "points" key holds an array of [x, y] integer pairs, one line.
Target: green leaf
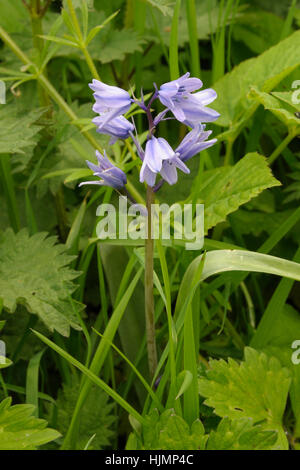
{"points": [[259, 30], [264, 72], [164, 6], [170, 432], [97, 417], [282, 334], [256, 388], [281, 109], [115, 45], [20, 430], [18, 132], [225, 189], [240, 434], [43, 286]]}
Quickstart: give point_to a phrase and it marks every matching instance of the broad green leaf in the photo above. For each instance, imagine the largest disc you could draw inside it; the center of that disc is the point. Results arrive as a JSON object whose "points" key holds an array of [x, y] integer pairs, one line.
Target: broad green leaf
{"points": [[288, 98], [264, 72], [281, 109], [259, 30], [170, 432], [97, 417], [240, 434], [256, 388], [225, 189], [34, 272], [19, 430]]}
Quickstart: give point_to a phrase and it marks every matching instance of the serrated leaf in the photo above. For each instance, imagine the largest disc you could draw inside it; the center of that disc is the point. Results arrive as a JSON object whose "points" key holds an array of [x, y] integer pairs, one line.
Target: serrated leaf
{"points": [[19, 430], [170, 432], [164, 6], [225, 189], [256, 388], [34, 272], [17, 133], [97, 417], [115, 45], [240, 434]]}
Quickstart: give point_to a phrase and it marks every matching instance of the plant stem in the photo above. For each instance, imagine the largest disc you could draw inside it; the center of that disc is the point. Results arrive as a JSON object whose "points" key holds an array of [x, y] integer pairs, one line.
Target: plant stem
{"points": [[80, 38], [193, 37], [282, 146], [149, 297]]}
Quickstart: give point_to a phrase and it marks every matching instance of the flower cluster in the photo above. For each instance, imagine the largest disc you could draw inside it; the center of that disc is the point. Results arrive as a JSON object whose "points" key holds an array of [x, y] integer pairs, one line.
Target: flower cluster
{"points": [[181, 98]]}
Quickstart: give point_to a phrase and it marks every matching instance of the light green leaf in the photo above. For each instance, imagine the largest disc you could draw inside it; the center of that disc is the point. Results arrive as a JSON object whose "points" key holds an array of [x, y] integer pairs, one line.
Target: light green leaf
{"points": [[170, 432], [240, 434], [165, 6], [281, 109], [20, 430], [225, 189], [256, 388], [43, 286], [264, 72]]}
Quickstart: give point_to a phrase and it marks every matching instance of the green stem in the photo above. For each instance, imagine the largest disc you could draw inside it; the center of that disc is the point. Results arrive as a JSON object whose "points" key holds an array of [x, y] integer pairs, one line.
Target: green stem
{"points": [[80, 38], [38, 43], [227, 159], [282, 146], [149, 296], [7, 181]]}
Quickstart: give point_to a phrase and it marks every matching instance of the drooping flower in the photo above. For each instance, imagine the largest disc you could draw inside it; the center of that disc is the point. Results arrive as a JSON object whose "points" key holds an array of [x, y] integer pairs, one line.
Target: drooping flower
{"points": [[194, 142], [111, 101], [110, 175], [117, 128], [169, 169], [186, 106], [160, 158]]}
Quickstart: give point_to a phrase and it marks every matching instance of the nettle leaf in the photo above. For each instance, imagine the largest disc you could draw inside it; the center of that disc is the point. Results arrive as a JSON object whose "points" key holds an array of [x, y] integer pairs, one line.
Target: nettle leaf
{"points": [[283, 110], [169, 431], [115, 44], [165, 6], [256, 388], [240, 434], [18, 131], [225, 189], [20, 430], [34, 272], [97, 417], [264, 72]]}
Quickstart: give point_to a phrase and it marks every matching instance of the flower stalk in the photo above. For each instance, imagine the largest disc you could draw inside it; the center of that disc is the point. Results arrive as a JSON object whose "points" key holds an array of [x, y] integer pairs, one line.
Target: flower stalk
{"points": [[149, 297]]}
